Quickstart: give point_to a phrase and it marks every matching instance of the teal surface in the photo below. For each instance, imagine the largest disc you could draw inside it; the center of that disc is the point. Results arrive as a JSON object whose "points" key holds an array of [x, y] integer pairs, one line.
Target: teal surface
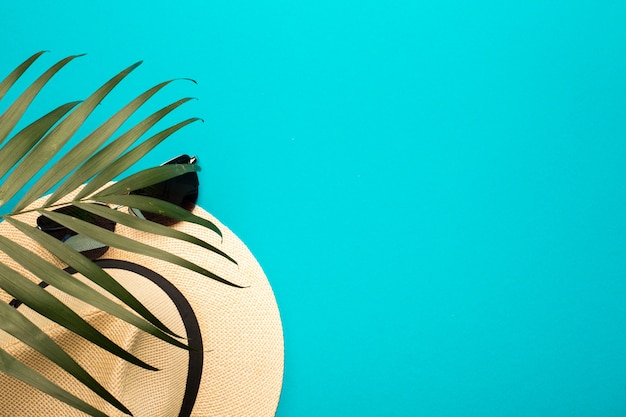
{"points": [[434, 189]]}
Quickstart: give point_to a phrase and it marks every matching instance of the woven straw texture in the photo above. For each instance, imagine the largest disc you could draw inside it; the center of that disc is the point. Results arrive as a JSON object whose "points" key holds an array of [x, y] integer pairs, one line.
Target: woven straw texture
{"points": [[241, 330]]}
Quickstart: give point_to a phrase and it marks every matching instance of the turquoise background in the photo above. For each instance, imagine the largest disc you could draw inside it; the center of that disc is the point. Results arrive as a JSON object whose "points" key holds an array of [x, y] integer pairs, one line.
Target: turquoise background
{"points": [[434, 189]]}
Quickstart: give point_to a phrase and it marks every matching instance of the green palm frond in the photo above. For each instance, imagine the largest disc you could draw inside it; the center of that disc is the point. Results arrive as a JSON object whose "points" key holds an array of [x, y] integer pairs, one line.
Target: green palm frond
{"points": [[92, 164]]}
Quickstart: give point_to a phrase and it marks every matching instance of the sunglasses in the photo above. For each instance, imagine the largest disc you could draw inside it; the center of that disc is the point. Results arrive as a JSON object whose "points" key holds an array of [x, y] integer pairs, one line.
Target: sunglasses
{"points": [[181, 191]]}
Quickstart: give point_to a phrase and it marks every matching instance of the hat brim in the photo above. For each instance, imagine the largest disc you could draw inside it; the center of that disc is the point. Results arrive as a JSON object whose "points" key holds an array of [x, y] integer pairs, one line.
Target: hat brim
{"points": [[238, 370]]}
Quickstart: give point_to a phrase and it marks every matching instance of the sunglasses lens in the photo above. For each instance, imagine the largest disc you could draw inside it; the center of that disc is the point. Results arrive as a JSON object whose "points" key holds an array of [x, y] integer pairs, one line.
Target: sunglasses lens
{"points": [[181, 191], [63, 233]]}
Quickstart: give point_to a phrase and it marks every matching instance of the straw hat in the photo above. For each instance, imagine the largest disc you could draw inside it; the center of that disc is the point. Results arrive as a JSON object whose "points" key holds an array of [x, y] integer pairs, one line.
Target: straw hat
{"points": [[236, 370]]}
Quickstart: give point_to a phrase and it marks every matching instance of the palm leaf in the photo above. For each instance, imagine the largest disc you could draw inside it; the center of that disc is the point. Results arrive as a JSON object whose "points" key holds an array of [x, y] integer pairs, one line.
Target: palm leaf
{"points": [[100, 160], [125, 161], [67, 283], [150, 227], [148, 177], [23, 142], [49, 306], [7, 83], [156, 206], [12, 115], [124, 243], [52, 143], [85, 148], [11, 366], [92, 164], [14, 323], [88, 269]]}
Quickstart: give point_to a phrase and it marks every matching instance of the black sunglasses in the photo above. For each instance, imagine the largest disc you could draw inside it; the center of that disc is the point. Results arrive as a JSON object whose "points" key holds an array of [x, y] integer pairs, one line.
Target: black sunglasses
{"points": [[181, 191]]}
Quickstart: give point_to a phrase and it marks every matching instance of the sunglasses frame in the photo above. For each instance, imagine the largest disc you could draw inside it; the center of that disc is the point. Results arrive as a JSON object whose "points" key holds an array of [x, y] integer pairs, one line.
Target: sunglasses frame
{"points": [[181, 159]]}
